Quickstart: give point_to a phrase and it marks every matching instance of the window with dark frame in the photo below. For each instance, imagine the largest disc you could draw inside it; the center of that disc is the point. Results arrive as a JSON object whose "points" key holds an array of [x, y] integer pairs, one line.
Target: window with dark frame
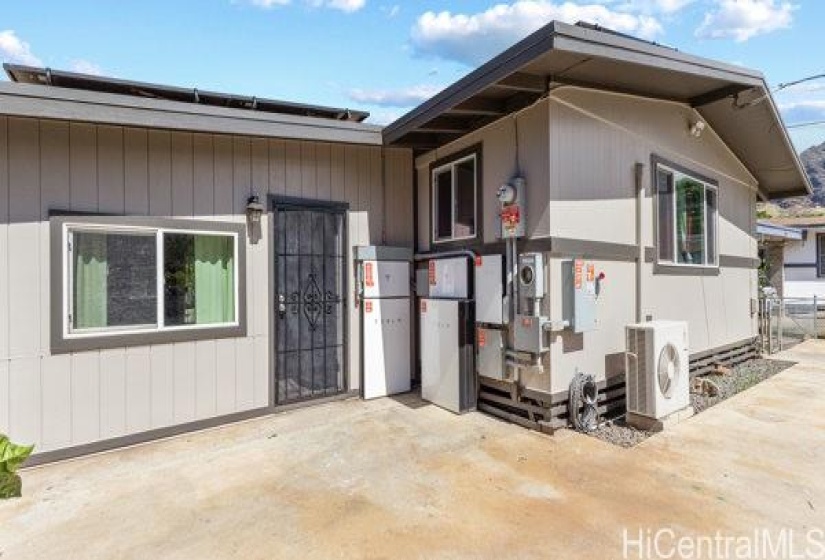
{"points": [[687, 214], [455, 203]]}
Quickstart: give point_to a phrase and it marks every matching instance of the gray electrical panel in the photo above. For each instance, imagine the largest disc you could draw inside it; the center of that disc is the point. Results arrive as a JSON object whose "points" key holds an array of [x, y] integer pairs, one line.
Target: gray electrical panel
{"points": [[580, 291], [490, 352]]}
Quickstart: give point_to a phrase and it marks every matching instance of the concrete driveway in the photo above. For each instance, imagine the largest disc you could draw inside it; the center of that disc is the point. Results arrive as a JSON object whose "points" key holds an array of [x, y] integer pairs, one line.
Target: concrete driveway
{"points": [[400, 479]]}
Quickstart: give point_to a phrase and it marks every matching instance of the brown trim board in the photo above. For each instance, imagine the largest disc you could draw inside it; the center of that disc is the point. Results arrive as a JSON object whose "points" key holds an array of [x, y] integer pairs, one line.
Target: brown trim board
{"points": [[599, 250], [172, 431]]}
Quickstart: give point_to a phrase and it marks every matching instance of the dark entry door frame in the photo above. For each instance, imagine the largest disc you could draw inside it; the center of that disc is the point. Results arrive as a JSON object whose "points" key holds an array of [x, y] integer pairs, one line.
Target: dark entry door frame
{"points": [[314, 300]]}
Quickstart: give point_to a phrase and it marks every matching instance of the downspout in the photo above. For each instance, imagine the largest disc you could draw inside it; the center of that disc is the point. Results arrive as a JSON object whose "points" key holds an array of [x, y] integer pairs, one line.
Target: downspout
{"points": [[640, 246]]}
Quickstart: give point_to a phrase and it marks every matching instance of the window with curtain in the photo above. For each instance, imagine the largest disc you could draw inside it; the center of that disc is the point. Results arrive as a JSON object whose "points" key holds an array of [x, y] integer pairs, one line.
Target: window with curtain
{"points": [[687, 213], [140, 279], [454, 200]]}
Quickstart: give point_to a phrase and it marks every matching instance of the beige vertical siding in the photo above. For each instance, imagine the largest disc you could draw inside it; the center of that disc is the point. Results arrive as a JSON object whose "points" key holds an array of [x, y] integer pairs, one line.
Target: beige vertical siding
{"points": [[66, 400], [577, 152]]}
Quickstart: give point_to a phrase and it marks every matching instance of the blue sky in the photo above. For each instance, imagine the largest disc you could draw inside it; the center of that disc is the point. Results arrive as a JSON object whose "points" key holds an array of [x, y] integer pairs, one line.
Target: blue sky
{"points": [[386, 56]]}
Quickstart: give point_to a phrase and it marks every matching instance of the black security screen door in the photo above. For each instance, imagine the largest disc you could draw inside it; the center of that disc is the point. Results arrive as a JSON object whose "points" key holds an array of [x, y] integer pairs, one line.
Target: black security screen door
{"points": [[309, 300]]}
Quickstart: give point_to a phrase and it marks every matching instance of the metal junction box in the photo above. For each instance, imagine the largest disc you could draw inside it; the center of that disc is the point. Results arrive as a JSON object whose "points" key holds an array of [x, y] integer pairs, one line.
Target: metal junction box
{"points": [[579, 295], [489, 290], [529, 335], [490, 352]]}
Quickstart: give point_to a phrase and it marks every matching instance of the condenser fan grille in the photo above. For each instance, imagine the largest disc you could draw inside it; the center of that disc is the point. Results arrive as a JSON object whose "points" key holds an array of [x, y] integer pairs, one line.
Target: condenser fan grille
{"points": [[668, 370]]}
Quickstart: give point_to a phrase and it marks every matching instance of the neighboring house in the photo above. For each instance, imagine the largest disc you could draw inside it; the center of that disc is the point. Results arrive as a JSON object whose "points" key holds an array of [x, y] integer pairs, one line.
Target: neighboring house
{"points": [[773, 241], [804, 257], [144, 294], [644, 159]]}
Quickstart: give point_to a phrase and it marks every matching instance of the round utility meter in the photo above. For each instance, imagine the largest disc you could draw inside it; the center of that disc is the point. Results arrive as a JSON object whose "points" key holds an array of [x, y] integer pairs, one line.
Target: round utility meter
{"points": [[668, 370], [527, 275], [506, 194]]}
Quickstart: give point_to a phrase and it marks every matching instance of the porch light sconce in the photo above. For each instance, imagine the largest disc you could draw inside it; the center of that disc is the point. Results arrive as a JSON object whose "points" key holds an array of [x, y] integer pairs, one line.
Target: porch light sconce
{"points": [[254, 211], [697, 128]]}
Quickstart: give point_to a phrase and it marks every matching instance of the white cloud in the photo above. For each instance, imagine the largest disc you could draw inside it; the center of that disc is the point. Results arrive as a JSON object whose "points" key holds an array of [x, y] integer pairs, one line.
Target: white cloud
{"points": [[270, 3], [394, 98], [473, 38], [14, 49], [86, 67], [654, 6], [743, 19], [386, 116], [343, 5]]}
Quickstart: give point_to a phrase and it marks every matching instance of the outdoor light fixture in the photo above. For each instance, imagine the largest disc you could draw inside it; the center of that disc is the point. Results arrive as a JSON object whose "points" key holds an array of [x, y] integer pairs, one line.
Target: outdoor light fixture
{"points": [[254, 210], [697, 128]]}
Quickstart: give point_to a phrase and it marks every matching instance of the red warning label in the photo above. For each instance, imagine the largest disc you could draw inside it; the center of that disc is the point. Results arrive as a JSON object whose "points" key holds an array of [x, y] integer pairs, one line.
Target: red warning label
{"points": [[367, 307], [431, 273], [479, 260], [482, 338], [369, 279], [577, 273], [423, 306]]}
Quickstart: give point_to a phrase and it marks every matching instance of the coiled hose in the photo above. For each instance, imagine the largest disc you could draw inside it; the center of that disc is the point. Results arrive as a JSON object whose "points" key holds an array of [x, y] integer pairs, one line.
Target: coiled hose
{"points": [[581, 404]]}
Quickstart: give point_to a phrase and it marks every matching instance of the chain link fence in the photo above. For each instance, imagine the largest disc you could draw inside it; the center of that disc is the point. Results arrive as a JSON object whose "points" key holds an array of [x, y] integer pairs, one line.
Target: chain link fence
{"points": [[784, 322]]}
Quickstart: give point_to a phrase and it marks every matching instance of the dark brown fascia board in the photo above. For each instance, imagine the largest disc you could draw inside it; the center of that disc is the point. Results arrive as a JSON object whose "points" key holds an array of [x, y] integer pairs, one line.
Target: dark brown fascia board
{"points": [[572, 39], [582, 35], [493, 71]]}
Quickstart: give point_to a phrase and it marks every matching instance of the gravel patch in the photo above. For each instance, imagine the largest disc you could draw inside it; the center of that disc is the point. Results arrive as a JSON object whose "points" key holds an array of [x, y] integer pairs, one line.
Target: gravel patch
{"points": [[619, 433], [741, 377]]}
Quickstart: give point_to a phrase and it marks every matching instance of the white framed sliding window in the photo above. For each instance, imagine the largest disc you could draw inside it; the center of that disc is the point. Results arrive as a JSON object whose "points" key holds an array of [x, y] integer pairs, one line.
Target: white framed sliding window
{"points": [[455, 199], [687, 218], [137, 281]]}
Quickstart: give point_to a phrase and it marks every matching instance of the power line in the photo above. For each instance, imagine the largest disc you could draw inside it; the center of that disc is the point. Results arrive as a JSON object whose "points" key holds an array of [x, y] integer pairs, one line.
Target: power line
{"points": [[805, 124]]}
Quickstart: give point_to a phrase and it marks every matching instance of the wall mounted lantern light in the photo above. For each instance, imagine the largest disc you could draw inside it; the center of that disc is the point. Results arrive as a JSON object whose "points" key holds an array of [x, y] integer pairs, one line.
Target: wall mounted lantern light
{"points": [[254, 211]]}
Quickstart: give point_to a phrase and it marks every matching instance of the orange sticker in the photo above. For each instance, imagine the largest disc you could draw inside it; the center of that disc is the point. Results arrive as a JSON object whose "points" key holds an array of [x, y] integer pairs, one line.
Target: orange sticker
{"points": [[368, 280], [479, 260], [591, 272], [423, 306], [367, 307], [431, 273], [577, 274], [482, 338], [526, 322]]}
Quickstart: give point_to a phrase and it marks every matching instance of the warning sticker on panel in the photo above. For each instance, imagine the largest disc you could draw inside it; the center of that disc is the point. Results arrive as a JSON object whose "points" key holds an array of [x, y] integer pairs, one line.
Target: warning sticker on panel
{"points": [[423, 306], [431, 273], [482, 338], [577, 274], [367, 307], [369, 280]]}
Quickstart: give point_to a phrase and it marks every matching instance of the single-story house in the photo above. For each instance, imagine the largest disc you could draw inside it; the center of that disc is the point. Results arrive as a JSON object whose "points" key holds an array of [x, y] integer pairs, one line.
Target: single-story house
{"points": [[773, 238], [802, 253], [156, 241]]}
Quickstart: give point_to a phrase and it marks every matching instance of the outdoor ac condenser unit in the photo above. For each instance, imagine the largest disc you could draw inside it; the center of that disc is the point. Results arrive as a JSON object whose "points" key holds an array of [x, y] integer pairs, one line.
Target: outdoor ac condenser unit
{"points": [[656, 366]]}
